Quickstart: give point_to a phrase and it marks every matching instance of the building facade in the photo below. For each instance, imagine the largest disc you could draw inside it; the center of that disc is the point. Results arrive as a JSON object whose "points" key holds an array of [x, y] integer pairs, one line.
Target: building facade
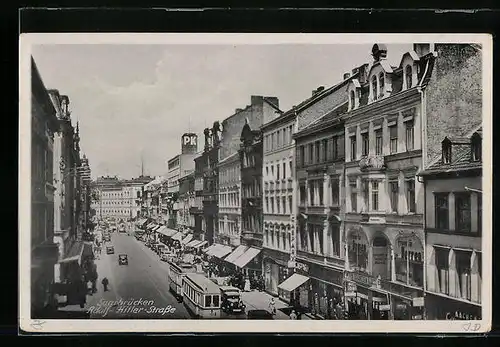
{"points": [[186, 202], [229, 201], [320, 242], [453, 230], [197, 209], [44, 251]]}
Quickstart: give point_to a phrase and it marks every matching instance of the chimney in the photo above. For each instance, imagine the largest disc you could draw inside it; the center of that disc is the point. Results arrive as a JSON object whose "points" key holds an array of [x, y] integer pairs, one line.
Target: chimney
{"points": [[346, 75], [256, 100], [238, 110], [318, 90], [422, 48], [363, 71]]}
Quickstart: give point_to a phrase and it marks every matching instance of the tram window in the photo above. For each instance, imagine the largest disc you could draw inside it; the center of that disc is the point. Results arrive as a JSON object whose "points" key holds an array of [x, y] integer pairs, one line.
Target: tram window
{"points": [[216, 301], [208, 300]]}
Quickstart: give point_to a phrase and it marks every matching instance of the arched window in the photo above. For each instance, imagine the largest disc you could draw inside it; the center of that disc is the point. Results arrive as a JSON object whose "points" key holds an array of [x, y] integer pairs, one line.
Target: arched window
{"points": [[408, 76], [381, 83], [353, 100], [374, 87]]}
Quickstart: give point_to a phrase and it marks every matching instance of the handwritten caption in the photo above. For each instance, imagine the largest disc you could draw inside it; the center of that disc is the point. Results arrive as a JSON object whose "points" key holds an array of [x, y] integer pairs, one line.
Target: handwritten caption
{"points": [[139, 306]]}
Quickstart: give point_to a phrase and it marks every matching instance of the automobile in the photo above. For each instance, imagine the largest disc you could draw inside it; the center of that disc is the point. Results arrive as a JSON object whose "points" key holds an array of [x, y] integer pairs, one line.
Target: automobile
{"points": [[165, 255], [231, 300], [259, 314], [122, 259], [159, 248], [110, 250], [106, 237]]}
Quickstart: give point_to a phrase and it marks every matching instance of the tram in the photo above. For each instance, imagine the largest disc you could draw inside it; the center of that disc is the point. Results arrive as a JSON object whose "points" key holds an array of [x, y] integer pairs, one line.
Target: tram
{"points": [[202, 297], [175, 274]]}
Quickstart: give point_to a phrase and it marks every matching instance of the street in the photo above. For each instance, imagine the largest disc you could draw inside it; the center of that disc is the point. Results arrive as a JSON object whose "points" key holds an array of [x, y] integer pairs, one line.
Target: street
{"points": [[138, 290]]}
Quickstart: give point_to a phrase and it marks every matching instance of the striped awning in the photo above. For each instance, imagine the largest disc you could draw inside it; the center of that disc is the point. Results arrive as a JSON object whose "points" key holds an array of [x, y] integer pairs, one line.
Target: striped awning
{"points": [[177, 236], [236, 253], [248, 256], [187, 239]]}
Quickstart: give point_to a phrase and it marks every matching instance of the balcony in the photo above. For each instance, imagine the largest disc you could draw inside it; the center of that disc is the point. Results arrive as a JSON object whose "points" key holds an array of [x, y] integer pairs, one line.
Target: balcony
{"points": [[321, 210], [336, 262], [372, 163]]}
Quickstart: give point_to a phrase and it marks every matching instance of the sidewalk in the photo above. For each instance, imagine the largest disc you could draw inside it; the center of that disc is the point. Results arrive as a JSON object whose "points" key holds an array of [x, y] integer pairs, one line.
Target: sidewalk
{"points": [[256, 300]]}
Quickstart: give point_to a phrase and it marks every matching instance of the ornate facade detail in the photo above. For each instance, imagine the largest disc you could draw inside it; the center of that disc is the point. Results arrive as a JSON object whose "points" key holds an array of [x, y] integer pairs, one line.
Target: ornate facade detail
{"points": [[376, 162]]}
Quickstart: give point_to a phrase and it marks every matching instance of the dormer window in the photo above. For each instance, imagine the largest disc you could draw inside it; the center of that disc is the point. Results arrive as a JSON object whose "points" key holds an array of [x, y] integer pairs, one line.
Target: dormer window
{"points": [[374, 87], [408, 76], [446, 149], [476, 148], [353, 100], [381, 83]]}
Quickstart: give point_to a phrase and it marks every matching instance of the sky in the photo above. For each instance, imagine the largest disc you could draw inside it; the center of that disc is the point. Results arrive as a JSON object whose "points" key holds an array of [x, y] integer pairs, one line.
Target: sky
{"points": [[138, 100]]}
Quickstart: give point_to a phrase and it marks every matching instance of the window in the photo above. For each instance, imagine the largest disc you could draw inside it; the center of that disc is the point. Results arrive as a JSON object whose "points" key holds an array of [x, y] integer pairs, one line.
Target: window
{"points": [[334, 187], [410, 195], [378, 142], [442, 266], [272, 205], [375, 195], [353, 147], [340, 147], [208, 300], [302, 153], [283, 199], [302, 192], [365, 141], [446, 149], [374, 87], [408, 75], [311, 193], [354, 195], [325, 149], [409, 262], [463, 264], [267, 171], [381, 84], [393, 135], [394, 195], [441, 210], [410, 140], [290, 165], [311, 153], [284, 170], [290, 207], [321, 192], [366, 194], [479, 213], [353, 100], [476, 150], [278, 205], [462, 212], [277, 171], [316, 152]]}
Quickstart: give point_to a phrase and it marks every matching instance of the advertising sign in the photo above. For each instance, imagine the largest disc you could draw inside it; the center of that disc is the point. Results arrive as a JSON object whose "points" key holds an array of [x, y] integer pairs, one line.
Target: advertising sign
{"points": [[189, 143]]}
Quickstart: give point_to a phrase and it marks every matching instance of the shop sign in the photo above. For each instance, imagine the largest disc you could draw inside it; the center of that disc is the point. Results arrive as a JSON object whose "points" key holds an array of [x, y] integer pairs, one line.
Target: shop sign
{"points": [[352, 287], [350, 294], [361, 278], [418, 302], [384, 307]]}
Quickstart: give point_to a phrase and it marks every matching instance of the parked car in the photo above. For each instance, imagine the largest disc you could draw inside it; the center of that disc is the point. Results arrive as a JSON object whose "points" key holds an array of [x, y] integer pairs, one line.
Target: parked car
{"points": [[259, 314], [110, 250], [159, 248], [166, 255], [122, 259], [231, 300]]}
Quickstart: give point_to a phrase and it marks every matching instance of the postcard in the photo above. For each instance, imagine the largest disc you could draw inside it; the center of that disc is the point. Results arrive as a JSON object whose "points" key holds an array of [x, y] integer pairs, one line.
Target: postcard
{"points": [[215, 182]]}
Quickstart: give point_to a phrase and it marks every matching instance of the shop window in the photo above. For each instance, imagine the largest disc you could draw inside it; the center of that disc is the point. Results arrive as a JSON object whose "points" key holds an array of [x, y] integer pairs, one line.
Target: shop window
{"points": [[378, 142], [462, 212], [353, 147], [394, 195], [410, 262], [410, 135], [442, 266], [365, 142], [410, 195], [463, 262]]}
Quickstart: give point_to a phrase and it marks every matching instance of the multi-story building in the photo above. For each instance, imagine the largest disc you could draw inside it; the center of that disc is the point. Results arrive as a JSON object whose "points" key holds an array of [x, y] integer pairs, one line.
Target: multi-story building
{"points": [[389, 107], [186, 202], [281, 190], [453, 230], [197, 209], [84, 173], [229, 201], [44, 251], [319, 239]]}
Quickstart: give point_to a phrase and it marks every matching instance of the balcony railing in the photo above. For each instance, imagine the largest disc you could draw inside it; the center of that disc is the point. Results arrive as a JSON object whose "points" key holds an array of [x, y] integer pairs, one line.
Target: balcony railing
{"points": [[317, 209]]}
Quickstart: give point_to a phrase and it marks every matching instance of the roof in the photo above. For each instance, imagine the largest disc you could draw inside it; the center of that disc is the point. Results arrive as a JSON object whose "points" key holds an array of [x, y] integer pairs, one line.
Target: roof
{"points": [[458, 140], [265, 98], [201, 280], [327, 119], [228, 158]]}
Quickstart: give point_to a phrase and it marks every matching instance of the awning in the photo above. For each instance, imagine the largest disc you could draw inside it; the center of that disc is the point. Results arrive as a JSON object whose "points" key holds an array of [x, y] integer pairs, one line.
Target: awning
{"points": [[170, 232], [192, 243], [177, 236], [162, 230], [151, 226], [293, 282], [200, 244], [221, 251], [238, 252], [74, 254], [244, 259], [156, 227], [187, 239], [209, 249]]}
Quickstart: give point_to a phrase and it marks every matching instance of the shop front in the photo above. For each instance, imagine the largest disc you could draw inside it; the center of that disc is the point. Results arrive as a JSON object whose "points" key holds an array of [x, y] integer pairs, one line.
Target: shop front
{"points": [[250, 263], [276, 271], [324, 288], [364, 297], [439, 307]]}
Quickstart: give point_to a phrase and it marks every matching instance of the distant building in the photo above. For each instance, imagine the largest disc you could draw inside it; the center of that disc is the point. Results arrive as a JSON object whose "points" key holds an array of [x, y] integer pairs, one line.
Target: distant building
{"points": [[453, 230]]}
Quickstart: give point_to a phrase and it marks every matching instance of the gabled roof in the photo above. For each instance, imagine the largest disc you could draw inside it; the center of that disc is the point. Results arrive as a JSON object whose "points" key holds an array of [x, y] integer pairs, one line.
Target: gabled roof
{"points": [[385, 66], [412, 54], [325, 120], [272, 104]]}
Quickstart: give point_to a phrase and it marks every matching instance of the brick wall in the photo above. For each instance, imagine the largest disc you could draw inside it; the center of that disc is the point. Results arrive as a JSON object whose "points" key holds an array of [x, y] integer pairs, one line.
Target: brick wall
{"points": [[453, 96]]}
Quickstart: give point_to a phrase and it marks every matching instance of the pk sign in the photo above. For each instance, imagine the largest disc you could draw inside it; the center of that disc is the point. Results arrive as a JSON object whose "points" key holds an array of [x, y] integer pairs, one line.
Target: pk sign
{"points": [[189, 140]]}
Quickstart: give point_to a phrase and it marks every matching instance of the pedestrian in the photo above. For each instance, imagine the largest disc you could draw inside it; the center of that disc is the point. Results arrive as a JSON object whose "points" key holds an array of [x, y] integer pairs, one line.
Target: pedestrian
{"points": [[105, 283], [293, 315], [247, 284], [272, 306]]}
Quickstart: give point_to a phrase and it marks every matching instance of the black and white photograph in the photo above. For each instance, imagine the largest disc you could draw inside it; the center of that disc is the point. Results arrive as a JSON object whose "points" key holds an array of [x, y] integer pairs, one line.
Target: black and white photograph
{"points": [[334, 179]]}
